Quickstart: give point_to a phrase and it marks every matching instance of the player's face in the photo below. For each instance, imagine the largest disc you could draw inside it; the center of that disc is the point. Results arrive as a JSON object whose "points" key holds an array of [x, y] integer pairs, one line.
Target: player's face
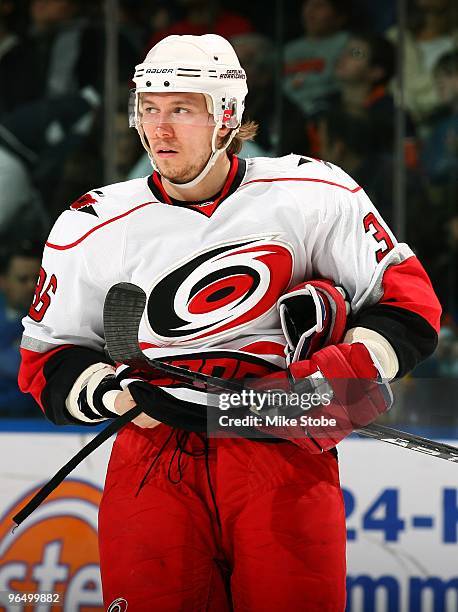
{"points": [[179, 130]]}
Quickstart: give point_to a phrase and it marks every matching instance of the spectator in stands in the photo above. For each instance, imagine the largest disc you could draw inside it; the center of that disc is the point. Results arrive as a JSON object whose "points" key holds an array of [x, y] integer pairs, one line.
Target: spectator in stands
{"points": [[21, 208], [345, 140], [440, 154], [157, 16], [35, 140], [13, 60], [64, 50], [19, 267], [84, 167], [380, 15], [133, 19], [310, 60], [55, 46], [282, 128], [65, 73], [440, 164], [363, 71], [203, 17], [432, 31]]}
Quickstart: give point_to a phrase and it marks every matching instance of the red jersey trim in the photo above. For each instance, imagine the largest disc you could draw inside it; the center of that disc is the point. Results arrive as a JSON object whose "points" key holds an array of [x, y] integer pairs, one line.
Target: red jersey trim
{"points": [[30, 378], [264, 347], [63, 247], [210, 208], [157, 181], [309, 180], [147, 345], [406, 285]]}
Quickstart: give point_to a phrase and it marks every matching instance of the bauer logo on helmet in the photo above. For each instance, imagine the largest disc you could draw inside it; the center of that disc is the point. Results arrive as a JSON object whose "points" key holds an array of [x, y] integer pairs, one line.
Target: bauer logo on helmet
{"points": [[159, 71]]}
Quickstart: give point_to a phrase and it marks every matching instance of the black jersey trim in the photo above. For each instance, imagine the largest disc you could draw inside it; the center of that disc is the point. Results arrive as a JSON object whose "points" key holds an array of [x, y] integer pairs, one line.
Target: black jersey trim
{"points": [[410, 335], [60, 373], [207, 206], [221, 354], [304, 160]]}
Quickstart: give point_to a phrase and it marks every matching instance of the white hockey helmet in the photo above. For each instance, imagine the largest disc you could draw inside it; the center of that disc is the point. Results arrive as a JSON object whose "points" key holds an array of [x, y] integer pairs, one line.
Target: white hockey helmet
{"points": [[204, 64]]}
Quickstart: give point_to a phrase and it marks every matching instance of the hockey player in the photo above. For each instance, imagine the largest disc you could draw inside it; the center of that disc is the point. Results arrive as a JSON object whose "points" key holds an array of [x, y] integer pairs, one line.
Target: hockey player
{"points": [[189, 522]]}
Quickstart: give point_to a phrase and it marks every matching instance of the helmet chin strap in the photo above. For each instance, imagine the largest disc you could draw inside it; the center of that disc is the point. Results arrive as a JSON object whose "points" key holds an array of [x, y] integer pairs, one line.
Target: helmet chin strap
{"points": [[208, 166]]}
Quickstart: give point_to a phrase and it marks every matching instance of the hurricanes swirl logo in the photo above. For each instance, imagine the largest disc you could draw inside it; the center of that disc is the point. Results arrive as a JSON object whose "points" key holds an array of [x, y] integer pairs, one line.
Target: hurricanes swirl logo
{"points": [[218, 290]]}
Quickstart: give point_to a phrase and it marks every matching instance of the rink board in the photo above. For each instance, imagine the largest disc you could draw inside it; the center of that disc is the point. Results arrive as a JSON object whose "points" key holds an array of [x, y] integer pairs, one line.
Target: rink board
{"points": [[402, 520]]}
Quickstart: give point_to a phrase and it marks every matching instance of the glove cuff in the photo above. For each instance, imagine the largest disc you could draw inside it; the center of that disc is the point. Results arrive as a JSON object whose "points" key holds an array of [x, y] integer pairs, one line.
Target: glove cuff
{"points": [[104, 396], [313, 315], [86, 400]]}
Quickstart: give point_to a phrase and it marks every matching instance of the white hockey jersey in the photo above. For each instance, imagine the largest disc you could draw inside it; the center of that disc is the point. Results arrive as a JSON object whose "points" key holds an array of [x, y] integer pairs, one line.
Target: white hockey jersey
{"points": [[212, 271]]}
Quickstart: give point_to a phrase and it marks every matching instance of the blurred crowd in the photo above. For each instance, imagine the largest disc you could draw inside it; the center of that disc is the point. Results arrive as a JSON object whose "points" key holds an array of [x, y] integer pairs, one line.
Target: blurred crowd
{"points": [[322, 78]]}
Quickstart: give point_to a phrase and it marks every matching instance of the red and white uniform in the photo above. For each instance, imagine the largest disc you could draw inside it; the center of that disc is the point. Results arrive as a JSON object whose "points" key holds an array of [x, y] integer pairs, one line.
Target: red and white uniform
{"points": [[213, 272]]}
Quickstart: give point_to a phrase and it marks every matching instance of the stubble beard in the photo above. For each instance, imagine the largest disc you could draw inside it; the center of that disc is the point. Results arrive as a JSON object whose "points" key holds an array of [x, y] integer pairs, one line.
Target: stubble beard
{"points": [[184, 174]]}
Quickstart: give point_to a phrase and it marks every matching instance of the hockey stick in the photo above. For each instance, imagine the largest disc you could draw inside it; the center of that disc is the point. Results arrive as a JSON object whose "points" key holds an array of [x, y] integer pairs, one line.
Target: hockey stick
{"points": [[64, 471], [123, 310], [122, 313]]}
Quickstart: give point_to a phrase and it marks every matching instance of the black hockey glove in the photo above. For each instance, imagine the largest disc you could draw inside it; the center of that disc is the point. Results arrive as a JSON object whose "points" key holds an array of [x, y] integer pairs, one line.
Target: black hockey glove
{"points": [[149, 390]]}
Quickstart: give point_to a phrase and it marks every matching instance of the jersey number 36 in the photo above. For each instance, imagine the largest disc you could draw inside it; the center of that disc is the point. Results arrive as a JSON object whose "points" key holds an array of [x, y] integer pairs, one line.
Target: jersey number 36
{"points": [[42, 297]]}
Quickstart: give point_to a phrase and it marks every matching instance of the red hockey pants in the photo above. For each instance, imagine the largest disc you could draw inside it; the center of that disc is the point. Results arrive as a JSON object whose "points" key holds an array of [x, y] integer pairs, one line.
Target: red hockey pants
{"points": [[270, 538]]}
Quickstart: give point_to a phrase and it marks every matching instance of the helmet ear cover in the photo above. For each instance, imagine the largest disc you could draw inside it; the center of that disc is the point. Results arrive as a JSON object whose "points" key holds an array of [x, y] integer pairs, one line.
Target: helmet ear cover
{"points": [[230, 114]]}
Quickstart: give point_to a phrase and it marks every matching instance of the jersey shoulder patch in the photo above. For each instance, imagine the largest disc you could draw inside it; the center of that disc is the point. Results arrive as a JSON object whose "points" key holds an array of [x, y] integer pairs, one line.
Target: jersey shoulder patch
{"points": [[97, 209], [85, 203], [115, 198]]}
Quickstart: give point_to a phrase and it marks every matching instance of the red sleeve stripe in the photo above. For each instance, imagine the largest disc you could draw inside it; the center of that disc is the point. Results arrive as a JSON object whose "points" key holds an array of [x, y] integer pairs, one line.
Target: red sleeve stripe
{"points": [[406, 285], [147, 345], [31, 378], [264, 347], [308, 180], [63, 247]]}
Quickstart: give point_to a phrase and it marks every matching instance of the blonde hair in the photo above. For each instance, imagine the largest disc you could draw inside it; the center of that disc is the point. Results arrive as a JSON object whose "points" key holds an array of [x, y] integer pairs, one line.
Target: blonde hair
{"points": [[247, 131]]}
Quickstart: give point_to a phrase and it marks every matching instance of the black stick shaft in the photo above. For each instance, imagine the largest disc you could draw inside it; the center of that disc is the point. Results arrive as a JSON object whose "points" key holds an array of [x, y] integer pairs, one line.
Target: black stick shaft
{"points": [[64, 471], [124, 307]]}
